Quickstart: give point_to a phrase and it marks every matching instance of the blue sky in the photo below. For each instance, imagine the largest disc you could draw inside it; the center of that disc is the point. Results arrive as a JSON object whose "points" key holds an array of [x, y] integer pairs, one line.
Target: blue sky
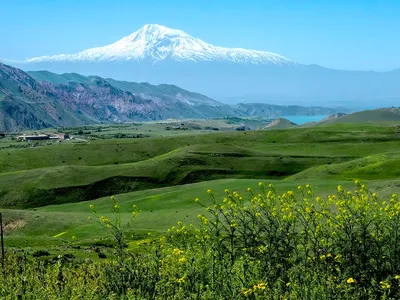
{"points": [[352, 34]]}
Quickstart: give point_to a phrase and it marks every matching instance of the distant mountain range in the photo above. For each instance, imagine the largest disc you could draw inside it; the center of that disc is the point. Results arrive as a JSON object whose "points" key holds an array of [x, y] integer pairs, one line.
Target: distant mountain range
{"points": [[43, 99], [158, 54]]}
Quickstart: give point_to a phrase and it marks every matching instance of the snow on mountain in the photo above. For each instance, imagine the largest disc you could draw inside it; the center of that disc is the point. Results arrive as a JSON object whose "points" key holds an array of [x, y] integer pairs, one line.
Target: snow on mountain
{"points": [[156, 43]]}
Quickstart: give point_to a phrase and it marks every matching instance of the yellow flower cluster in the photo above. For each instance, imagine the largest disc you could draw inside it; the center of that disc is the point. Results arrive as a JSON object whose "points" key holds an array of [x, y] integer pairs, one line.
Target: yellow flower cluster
{"points": [[177, 251], [384, 285], [256, 289], [350, 280]]}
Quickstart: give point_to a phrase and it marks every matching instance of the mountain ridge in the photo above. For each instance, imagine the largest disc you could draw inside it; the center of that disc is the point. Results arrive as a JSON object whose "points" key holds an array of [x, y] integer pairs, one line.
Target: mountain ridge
{"points": [[43, 99]]}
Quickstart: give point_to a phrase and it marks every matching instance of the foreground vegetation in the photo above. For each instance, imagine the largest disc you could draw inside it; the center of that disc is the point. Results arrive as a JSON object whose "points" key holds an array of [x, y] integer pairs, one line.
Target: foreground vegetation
{"points": [[262, 245]]}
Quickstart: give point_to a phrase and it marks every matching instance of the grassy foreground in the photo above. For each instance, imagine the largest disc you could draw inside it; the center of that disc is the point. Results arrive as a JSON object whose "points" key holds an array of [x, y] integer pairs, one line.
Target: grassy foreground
{"points": [[264, 244], [161, 208]]}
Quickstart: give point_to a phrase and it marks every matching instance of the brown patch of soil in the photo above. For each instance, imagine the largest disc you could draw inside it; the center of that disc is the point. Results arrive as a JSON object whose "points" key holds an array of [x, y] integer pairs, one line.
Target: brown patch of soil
{"points": [[13, 225]]}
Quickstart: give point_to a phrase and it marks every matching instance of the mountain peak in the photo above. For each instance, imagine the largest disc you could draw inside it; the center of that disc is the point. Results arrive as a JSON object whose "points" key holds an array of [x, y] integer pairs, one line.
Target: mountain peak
{"points": [[155, 42], [160, 29]]}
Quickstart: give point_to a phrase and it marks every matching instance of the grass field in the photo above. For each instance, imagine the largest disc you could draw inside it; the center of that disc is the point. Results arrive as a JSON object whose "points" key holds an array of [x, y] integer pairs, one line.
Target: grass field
{"points": [[161, 209], [42, 188]]}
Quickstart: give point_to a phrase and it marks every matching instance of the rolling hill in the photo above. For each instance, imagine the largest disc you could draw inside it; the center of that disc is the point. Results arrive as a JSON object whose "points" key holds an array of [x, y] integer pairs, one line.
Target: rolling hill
{"points": [[71, 172], [377, 115], [280, 123]]}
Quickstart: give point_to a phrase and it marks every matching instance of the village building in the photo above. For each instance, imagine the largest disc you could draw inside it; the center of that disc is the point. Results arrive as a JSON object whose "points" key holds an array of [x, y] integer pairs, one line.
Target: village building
{"points": [[37, 137], [41, 137], [60, 136]]}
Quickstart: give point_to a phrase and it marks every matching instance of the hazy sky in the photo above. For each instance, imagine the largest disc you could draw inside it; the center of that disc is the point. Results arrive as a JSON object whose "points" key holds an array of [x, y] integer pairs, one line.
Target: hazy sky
{"points": [[351, 34]]}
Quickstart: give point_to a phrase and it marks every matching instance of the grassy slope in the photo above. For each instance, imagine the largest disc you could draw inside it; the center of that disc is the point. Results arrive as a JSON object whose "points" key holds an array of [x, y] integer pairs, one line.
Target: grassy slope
{"points": [[161, 209], [280, 123], [365, 116], [383, 166], [323, 156], [76, 172]]}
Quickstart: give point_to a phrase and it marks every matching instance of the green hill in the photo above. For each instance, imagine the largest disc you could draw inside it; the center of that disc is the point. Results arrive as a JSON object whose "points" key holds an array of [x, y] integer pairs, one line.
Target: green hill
{"points": [[377, 115], [70, 172], [162, 176], [280, 123]]}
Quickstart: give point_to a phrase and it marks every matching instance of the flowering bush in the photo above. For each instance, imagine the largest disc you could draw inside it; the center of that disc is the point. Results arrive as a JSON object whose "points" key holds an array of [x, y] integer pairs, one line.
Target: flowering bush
{"points": [[260, 246]]}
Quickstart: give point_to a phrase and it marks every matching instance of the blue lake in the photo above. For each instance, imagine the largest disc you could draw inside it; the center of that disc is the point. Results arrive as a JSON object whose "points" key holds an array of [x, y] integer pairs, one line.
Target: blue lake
{"points": [[299, 120]]}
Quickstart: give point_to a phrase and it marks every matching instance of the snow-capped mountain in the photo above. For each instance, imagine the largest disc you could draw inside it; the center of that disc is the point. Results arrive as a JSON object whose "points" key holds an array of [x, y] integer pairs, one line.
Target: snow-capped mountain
{"points": [[156, 43], [160, 55]]}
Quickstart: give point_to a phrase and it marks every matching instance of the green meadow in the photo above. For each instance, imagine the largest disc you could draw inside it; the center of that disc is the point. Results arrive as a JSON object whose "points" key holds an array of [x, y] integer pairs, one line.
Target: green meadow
{"points": [[45, 191]]}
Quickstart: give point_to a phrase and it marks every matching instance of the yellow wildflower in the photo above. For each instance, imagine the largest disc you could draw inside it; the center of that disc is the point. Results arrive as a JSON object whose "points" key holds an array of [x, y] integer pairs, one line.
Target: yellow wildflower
{"points": [[177, 251], [384, 285], [247, 292], [181, 280], [260, 286], [182, 260], [350, 280]]}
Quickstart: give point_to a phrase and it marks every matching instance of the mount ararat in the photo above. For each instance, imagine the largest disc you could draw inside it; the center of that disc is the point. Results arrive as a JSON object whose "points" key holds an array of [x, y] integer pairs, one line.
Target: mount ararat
{"points": [[158, 55]]}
